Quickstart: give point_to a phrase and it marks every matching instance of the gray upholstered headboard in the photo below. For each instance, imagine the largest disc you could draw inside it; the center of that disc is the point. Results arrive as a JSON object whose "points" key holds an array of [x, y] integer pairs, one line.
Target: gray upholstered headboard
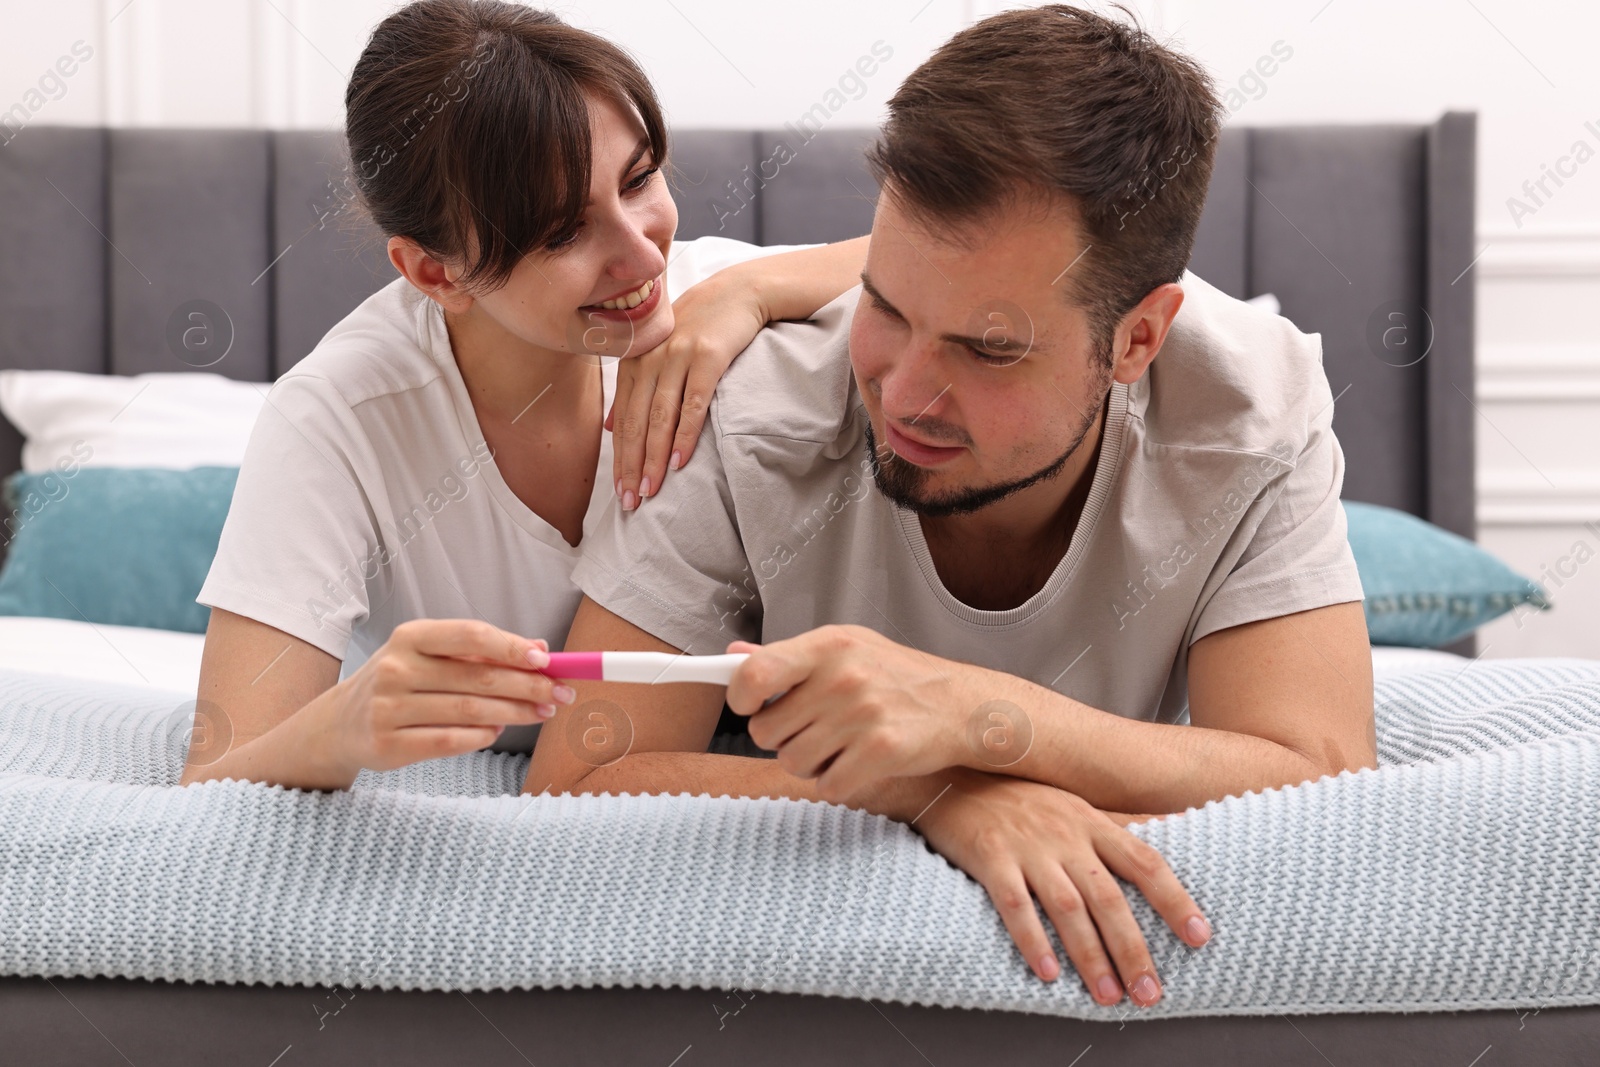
{"points": [[105, 233]]}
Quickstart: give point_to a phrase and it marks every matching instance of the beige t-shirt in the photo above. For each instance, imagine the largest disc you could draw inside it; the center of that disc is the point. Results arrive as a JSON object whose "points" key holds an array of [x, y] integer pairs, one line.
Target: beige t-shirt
{"points": [[1214, 502], [368, 495]]}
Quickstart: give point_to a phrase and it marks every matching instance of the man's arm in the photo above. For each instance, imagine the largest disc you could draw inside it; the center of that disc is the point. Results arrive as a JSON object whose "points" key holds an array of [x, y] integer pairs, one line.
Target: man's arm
{"points": [[1272, 703], [665, 749]]}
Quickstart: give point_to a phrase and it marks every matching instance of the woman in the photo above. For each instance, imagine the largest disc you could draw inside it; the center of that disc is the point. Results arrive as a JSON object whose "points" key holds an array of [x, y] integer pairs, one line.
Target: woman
{"points": [[416, 491]]}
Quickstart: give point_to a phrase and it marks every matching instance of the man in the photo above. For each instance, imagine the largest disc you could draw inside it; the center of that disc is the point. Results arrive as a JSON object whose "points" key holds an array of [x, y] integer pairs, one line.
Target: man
{"points": [[1087, 583]]}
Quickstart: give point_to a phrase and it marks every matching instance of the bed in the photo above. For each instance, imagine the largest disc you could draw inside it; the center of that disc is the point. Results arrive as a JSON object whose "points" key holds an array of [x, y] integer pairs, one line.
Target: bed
{"points": [[1345, 225]]}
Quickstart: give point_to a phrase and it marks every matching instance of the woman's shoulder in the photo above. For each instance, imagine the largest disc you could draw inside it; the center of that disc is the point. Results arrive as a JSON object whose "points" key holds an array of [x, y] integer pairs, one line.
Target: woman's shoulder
{"points": [[382, 348]]}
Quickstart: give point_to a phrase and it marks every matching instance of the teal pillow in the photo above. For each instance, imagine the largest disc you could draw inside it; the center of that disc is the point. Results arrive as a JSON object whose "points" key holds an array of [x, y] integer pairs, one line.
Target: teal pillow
{"points": [[1425, 586], [117, 545]]}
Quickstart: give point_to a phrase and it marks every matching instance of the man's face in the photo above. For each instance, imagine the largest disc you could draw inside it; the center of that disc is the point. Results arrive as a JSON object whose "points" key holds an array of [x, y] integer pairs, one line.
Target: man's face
{"points": [[979, 377]]}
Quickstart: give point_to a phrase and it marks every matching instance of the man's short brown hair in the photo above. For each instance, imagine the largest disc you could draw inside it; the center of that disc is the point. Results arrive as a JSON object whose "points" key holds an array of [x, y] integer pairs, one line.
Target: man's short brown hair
{"points": [[1066, 102]]}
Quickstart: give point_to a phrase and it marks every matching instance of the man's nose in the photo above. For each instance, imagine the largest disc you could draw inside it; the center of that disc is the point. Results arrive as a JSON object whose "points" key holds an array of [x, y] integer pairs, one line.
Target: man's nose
{"points": [[915, 385]]}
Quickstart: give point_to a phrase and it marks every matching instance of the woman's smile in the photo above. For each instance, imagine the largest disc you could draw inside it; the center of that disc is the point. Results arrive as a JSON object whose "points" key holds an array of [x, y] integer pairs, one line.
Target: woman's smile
{"points": [[633, 305]]}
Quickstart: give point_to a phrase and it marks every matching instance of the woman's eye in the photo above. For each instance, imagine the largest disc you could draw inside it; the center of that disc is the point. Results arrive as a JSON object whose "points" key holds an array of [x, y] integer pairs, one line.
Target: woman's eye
{"points": [[642, 180], [566, 240]]}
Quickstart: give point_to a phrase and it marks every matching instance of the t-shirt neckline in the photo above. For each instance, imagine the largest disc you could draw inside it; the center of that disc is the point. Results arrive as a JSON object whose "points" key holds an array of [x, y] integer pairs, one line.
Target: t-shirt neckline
{"points": [[435, 339], [1099, 489]]}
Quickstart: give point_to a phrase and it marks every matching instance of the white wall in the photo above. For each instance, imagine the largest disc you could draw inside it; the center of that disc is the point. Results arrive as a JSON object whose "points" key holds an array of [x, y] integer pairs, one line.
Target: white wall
{"points": [[1524, 66]]}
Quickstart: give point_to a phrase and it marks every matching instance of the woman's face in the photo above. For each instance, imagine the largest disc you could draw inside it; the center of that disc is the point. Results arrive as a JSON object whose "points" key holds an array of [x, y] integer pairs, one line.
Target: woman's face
{"points": [[602, 291]]}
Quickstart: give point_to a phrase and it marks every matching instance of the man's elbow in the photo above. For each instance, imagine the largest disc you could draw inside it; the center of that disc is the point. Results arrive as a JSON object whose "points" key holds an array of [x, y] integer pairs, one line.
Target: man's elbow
{"points": [[565, 780], [1334, 759]]}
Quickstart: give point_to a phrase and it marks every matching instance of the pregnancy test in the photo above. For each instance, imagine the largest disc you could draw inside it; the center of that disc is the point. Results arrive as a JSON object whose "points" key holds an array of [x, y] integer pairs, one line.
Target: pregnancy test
{"points": [[649, 668]]}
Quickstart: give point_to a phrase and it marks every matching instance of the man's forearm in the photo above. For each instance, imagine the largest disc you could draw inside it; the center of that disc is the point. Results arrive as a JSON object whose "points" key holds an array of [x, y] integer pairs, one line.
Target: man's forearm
{"points": [[1128, 765], [902, 799]]}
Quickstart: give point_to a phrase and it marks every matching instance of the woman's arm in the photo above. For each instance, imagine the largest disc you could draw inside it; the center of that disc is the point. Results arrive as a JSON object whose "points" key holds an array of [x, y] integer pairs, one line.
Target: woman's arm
{"points": [[271, 708], [663, 396], [795, 285], [254, 680]]}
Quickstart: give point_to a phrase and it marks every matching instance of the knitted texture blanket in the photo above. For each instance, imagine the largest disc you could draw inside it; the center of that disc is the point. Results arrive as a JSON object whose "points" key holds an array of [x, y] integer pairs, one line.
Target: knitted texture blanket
{"points": [[1461, 874]]}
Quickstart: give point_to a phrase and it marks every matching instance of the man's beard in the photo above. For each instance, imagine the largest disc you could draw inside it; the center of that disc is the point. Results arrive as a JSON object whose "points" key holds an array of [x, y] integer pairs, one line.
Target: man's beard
{"points": [[903, 482]]}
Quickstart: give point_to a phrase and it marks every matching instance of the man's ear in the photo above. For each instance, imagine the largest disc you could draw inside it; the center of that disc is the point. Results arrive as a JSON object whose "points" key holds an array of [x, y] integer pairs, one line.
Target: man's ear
{"points": [[1143, 330], [434, 278]]}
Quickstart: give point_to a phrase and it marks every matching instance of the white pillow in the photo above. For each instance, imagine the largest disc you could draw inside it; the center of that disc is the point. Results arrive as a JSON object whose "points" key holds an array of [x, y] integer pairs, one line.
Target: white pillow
{"points": [[1266, 302], [175, 420]]}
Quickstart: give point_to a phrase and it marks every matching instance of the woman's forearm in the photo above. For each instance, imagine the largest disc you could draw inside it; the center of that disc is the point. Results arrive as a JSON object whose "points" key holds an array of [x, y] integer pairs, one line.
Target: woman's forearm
{"points": [[795, 285], [288, 755]]}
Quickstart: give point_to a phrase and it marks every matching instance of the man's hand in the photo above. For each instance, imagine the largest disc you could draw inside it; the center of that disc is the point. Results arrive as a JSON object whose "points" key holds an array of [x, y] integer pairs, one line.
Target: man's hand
{"points": [[1022, 840], [856, 707]]}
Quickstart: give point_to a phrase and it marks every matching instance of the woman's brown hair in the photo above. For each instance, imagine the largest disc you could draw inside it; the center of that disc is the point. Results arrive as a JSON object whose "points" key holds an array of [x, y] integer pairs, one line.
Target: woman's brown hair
{"points": [[467, 123]]}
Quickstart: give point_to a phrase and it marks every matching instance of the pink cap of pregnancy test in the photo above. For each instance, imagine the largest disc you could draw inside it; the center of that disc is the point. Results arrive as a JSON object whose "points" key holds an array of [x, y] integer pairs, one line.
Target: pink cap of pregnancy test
{"points": [[582, 666]]}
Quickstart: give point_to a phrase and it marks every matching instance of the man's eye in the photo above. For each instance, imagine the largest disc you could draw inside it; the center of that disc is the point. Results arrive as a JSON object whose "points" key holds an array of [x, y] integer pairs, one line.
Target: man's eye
{"points": [[998, 355]]}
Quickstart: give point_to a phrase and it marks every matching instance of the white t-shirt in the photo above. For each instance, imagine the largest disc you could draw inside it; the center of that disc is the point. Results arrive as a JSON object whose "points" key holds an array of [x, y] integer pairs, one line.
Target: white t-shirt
{"points": [[368, 495]]}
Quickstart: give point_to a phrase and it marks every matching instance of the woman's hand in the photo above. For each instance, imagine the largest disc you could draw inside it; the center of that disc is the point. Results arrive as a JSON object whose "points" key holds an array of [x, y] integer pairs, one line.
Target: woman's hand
{"points": [[437, 687], [1023, 840], [663, 396]]}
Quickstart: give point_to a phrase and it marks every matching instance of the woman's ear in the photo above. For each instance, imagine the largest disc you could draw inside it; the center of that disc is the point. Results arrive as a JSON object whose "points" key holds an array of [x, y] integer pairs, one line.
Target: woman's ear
{"points": [[431, 276]]}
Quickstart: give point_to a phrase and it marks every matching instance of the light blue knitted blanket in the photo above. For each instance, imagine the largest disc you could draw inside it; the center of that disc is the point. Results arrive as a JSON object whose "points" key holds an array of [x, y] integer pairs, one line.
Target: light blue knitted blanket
{"points": [[1463, 874]]}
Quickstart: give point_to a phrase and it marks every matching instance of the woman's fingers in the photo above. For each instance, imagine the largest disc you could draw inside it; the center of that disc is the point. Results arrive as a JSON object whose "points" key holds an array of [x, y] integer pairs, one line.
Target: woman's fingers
{"points": [[1069, 913], [471, 637], [660, 410], [452, 710], [694, 406], [417, 743], [444, 675], [630, 424]]}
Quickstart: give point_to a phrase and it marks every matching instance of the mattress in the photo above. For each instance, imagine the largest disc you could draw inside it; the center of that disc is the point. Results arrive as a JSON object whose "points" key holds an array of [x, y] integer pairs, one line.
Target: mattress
{"points": [[1314, 889], [77, 1019]]}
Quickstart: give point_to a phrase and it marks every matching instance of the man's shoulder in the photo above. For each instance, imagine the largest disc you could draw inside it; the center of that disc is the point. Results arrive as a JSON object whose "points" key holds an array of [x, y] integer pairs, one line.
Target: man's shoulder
{"points": [[1233, 376], [794, 382]]}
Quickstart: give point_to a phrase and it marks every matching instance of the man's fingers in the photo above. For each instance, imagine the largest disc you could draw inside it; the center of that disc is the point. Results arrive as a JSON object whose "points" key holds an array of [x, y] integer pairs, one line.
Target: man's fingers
{"points": [[1013, 900], [804, 753], [1139, 863], [1119, 931], [847, 775], [773, 726], [770, 670], [1069, 913], [471, 637]]}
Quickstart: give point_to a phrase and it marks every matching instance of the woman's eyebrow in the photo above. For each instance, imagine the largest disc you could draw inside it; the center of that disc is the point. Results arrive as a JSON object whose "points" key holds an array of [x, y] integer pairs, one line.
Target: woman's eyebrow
{"points": [[638, 153]]}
